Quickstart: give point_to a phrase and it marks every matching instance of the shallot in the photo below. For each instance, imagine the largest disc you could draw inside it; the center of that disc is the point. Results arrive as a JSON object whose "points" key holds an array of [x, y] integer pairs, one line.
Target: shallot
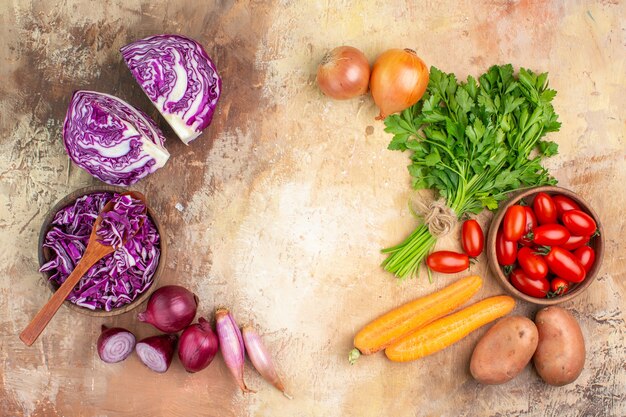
{"points": [[261, 359], [115, 344], [170, 309], [231, 345], [156, 352], [198, 346]]}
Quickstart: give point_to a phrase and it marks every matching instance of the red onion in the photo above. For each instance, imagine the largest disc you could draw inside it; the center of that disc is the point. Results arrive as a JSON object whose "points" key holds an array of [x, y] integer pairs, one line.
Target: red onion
{"points": [[156, 352], [261, 359], [170, 309], [198, 346], [115, 344], [231, 345]]}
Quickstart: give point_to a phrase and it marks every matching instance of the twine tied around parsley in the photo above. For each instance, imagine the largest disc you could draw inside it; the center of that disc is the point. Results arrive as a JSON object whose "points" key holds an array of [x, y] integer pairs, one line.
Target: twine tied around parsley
{"points": [[439, 218]]}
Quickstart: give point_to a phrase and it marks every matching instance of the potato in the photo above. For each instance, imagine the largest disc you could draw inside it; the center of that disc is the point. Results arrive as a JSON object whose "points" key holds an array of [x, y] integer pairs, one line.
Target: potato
{"points": [[560, 354], [504, 350]]}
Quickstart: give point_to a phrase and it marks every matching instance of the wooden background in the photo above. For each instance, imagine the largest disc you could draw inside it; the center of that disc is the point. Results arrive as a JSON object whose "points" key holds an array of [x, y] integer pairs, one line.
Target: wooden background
{"points": [[280, 209]]}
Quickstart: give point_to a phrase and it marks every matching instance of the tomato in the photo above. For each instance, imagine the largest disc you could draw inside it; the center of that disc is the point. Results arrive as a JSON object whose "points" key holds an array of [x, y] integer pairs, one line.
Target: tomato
{"points": [[506, 251], [559, 286], [533, 265], [586, 256], [544, 208], [531, 223], [514, 223], [551, 235], [564, 204], [579, 223], [534, 287], [565, 264], [472, 238], [447, 261], [575, 242]]}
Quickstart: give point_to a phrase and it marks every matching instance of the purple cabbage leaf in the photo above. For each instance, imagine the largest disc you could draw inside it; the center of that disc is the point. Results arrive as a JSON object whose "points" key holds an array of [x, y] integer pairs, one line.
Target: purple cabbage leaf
{"points": [[122, 221]]}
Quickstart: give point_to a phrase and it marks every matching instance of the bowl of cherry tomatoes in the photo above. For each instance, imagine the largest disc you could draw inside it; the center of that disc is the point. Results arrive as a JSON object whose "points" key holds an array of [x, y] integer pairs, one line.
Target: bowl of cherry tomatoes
{"points": [[546, 245]]}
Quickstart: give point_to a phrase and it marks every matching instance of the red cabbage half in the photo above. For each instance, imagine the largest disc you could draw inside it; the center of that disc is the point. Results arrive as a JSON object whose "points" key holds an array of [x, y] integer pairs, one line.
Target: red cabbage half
{"points": [[112, 140], [178, 76], [115, 280]]}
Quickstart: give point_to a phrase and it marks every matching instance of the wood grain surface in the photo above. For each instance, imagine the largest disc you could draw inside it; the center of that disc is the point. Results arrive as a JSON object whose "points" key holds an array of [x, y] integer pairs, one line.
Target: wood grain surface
{"points": [[279, 210]]}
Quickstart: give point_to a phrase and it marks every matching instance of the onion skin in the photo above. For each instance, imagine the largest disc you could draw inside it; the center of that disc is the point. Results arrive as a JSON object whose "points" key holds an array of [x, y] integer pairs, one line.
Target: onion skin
{"points": [[170, 309], [231, 345], [115, 344], [198, 346], [156, 352], [399, 79], [261, 359], [344, 73]]}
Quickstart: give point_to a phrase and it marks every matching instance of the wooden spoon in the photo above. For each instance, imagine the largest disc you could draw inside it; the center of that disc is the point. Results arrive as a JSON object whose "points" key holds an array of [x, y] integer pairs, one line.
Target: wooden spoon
{"points": [[93, 253]]}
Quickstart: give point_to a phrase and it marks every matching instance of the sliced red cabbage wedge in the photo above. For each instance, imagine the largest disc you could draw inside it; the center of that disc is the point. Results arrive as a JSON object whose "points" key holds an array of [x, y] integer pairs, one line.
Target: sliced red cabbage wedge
{"points": [[112, 140], [178, 76]]}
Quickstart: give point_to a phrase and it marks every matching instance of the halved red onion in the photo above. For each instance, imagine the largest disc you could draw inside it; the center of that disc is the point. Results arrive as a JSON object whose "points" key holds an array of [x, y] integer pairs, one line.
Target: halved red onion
{"points": [[115, 344], [156, 352], [170, 309], [198, 346]]}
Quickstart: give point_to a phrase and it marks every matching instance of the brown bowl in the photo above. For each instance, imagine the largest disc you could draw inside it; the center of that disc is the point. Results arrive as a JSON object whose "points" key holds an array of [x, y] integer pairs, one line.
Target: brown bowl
{"points": [[596, 243], [45, 253]]}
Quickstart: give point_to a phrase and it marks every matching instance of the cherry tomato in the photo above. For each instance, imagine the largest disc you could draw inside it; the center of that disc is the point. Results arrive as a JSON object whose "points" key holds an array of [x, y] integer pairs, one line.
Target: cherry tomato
{"points": [[564, 204], [579, 223], [559, 286], [544, 208], [551, 235], [533, 265], [575, 242], [514, 223], [586, 256], [565, 264], [472, 238], [534, 287], [506, 251], [447, 261], [531, 223]]}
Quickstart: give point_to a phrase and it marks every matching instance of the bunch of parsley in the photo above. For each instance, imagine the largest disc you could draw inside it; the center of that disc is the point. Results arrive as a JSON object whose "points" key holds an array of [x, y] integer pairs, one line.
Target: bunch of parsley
{"points": [[473, 142]]}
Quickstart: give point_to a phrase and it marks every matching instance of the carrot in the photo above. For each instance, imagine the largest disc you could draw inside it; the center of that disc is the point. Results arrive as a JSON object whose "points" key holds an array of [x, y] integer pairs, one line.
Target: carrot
{"points": [[407, 318], [450, 329]]}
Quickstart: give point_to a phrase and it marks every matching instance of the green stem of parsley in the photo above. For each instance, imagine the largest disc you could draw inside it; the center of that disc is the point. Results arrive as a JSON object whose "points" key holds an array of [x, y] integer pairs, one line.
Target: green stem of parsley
{"points": [[405, 259]]}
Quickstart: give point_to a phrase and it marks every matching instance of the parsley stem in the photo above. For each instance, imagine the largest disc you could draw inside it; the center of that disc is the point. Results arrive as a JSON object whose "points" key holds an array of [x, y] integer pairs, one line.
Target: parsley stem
{"points": [[406, 258]]}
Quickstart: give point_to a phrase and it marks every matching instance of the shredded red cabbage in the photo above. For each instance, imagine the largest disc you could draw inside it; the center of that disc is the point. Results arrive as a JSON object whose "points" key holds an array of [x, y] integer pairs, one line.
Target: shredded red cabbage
{"points": [[115, 280], [121, 222]]}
